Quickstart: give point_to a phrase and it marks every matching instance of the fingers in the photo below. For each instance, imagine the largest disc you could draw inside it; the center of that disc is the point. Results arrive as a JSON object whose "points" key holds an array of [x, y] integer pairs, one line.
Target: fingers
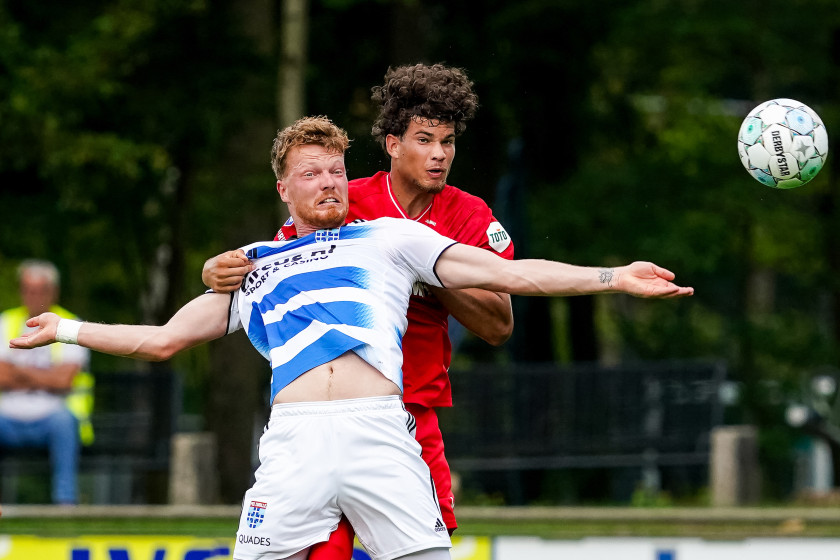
{"points": [[238, 271], [234, 259], [225, 272], [231, 283], [25, 342], [656, 282], [674, 291], [664, 273], [43, 335]]}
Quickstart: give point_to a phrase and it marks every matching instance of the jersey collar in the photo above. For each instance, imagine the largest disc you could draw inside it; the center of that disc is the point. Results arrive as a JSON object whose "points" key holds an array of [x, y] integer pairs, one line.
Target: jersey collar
{"points": [[400, 208]]}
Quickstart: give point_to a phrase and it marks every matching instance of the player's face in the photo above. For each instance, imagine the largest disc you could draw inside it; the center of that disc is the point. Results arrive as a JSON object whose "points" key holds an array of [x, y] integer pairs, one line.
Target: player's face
{"points": [[423, 156], [315, 188]]}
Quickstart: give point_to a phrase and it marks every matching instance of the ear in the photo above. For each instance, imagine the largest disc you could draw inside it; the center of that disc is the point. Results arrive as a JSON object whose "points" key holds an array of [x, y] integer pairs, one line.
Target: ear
{"points": [[393, 145], [282, 190]]}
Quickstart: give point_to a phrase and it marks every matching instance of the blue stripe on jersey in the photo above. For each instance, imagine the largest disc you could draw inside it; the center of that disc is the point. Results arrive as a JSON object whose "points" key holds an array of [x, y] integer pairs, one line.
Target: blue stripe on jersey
{"points": [[330, 346], [281, 247], [320, 236], [256, 332], [349, 313], [339, 277]]}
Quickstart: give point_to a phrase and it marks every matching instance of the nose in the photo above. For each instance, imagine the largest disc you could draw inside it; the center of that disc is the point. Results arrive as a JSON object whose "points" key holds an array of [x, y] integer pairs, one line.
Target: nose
{"points": [[438, 152], [328, 180]]}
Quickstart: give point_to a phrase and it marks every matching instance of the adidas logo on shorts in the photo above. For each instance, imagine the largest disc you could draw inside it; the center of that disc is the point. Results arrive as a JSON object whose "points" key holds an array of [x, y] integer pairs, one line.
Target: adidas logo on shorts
{"points": [[439, 526]]}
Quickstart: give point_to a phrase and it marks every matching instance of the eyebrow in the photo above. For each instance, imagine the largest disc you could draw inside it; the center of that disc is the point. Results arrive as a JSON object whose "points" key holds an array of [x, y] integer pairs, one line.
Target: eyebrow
{"points": [[430, 135]]}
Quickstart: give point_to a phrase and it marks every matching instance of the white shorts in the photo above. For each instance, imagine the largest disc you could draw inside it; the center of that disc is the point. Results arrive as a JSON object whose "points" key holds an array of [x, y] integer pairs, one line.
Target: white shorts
{"points": [[357, 457]]}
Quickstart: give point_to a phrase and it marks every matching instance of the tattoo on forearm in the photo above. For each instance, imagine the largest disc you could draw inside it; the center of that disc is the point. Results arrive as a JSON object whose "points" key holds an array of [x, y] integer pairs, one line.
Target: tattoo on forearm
{"points": [[605, 275]]}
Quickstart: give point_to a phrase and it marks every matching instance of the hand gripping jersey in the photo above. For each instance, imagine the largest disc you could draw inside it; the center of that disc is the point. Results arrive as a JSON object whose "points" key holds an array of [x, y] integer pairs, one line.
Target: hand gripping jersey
{"points": [[312, 299], [459, 216]]}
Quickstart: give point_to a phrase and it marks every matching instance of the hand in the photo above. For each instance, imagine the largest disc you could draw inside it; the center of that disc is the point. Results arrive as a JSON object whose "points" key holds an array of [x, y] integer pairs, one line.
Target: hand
{"points": [[45, 333], [224, 273], [646, 280]]}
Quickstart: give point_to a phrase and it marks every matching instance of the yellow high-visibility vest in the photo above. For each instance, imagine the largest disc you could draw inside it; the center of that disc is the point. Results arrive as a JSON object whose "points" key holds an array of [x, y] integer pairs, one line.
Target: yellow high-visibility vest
{"points": [[80, 399]]}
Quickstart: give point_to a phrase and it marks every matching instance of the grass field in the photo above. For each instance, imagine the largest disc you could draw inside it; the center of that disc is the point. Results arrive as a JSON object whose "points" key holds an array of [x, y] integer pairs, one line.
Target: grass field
{"points": [[549, 523]]}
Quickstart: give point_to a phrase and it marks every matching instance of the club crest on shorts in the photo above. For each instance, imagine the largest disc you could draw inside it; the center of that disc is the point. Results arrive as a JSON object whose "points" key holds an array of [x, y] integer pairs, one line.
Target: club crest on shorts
{"points": [[256, 514]]}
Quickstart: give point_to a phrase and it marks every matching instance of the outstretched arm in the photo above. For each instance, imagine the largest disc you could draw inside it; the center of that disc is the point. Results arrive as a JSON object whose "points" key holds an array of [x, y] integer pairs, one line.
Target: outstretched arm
{"points": [[224, 273], [203, 319], [462, 266]]}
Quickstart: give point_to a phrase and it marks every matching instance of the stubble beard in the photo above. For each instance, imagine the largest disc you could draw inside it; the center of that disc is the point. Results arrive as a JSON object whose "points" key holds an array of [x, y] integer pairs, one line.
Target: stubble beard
{"points": [[330, 219], [433, 188]]}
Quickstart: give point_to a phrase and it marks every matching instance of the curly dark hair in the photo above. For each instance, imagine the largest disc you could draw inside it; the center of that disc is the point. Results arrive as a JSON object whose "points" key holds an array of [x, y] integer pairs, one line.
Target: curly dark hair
{"points": [[437, 93]]}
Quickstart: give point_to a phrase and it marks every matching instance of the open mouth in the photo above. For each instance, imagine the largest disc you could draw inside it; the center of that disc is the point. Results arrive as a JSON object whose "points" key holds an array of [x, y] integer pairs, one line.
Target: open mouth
{"points": [[330, 200]]}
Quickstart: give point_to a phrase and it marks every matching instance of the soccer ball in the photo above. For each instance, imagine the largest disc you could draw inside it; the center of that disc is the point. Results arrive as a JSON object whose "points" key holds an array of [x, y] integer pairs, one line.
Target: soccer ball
{"points": [[783, 143]]}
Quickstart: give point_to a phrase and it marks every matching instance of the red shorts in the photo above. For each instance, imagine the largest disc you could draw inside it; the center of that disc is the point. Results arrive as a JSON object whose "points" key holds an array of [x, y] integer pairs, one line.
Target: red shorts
{"points": [[430, 439], [340, 544]]}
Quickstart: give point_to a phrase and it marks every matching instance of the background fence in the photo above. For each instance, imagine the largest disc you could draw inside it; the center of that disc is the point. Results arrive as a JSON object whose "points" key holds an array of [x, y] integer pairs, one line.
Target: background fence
{"points": [[511, 425]]}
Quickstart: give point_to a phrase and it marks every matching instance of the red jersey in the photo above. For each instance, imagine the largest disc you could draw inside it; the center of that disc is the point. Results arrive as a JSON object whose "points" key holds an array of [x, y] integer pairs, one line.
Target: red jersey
{"points": [[427, 350]]}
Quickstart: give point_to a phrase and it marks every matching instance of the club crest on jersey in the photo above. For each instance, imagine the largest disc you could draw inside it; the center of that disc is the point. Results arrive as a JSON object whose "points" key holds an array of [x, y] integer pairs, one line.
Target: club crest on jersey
{"points": [[256, 514], [327, 235], [497, 237]]}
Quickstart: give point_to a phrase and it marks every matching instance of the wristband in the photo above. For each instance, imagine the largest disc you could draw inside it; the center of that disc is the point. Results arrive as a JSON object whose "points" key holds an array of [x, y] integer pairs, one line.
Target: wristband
{"points": [[67, 331]]}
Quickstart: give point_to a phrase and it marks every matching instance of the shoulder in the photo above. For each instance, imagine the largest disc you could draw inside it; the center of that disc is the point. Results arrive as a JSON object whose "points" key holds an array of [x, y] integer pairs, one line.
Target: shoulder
{"points": [[469, 220], [462, 198], [369, 196], [367, 186], [459, 209], [390, 224], [257, 244], [398, 231]]}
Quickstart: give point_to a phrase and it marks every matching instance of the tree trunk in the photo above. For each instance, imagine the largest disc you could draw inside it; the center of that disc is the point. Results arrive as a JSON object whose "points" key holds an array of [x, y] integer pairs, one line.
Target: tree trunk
{"points": [[237, 401]]}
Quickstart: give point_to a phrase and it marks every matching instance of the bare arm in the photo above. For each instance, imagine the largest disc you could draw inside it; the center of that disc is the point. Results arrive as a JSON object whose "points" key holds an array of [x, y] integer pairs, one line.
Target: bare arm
{"points": [[224, 273], [487, 314], [462, 266], [201, 320]]}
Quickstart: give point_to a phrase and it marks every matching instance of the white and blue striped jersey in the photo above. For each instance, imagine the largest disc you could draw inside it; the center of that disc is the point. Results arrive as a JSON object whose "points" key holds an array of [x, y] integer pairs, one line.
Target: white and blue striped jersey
{"points": [[312, 299]]}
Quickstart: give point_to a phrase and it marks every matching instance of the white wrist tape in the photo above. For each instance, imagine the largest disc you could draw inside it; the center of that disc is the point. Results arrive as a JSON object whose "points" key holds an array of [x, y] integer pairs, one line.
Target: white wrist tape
{"points": [[67, 331]]}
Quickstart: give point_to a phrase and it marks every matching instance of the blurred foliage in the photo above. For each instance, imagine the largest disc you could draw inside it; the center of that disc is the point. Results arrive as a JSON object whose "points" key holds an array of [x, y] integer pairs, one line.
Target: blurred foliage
{"points": [[113, 114], [122, 159]]}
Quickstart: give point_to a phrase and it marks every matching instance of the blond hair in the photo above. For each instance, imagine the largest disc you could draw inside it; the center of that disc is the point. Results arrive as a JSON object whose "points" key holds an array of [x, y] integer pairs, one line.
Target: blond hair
{"points": [[307, 130]]}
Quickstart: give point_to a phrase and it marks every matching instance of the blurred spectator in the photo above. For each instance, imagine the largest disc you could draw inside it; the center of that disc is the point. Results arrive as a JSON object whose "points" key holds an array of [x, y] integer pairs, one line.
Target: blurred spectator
{"points": [[46, 395]]}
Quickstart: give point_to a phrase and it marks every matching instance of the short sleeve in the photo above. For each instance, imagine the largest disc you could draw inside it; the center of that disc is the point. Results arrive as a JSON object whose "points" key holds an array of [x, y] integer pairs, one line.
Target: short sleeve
{"points": [[415, 245], [234, 320], [483, 230]]}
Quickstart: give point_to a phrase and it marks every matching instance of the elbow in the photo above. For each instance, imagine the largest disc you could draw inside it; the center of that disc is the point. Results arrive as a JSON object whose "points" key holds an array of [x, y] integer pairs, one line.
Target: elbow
{"points": [[501, 337], [160, 351], [500, 334]]}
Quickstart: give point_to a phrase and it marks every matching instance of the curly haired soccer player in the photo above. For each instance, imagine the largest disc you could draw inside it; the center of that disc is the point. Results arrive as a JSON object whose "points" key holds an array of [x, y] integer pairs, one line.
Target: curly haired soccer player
{"points": [[422, 109], [328, 310]]}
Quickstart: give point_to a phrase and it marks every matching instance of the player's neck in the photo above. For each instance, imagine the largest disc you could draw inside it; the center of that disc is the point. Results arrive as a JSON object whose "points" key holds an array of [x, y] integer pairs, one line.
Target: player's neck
{"points": [[413, 200]]}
